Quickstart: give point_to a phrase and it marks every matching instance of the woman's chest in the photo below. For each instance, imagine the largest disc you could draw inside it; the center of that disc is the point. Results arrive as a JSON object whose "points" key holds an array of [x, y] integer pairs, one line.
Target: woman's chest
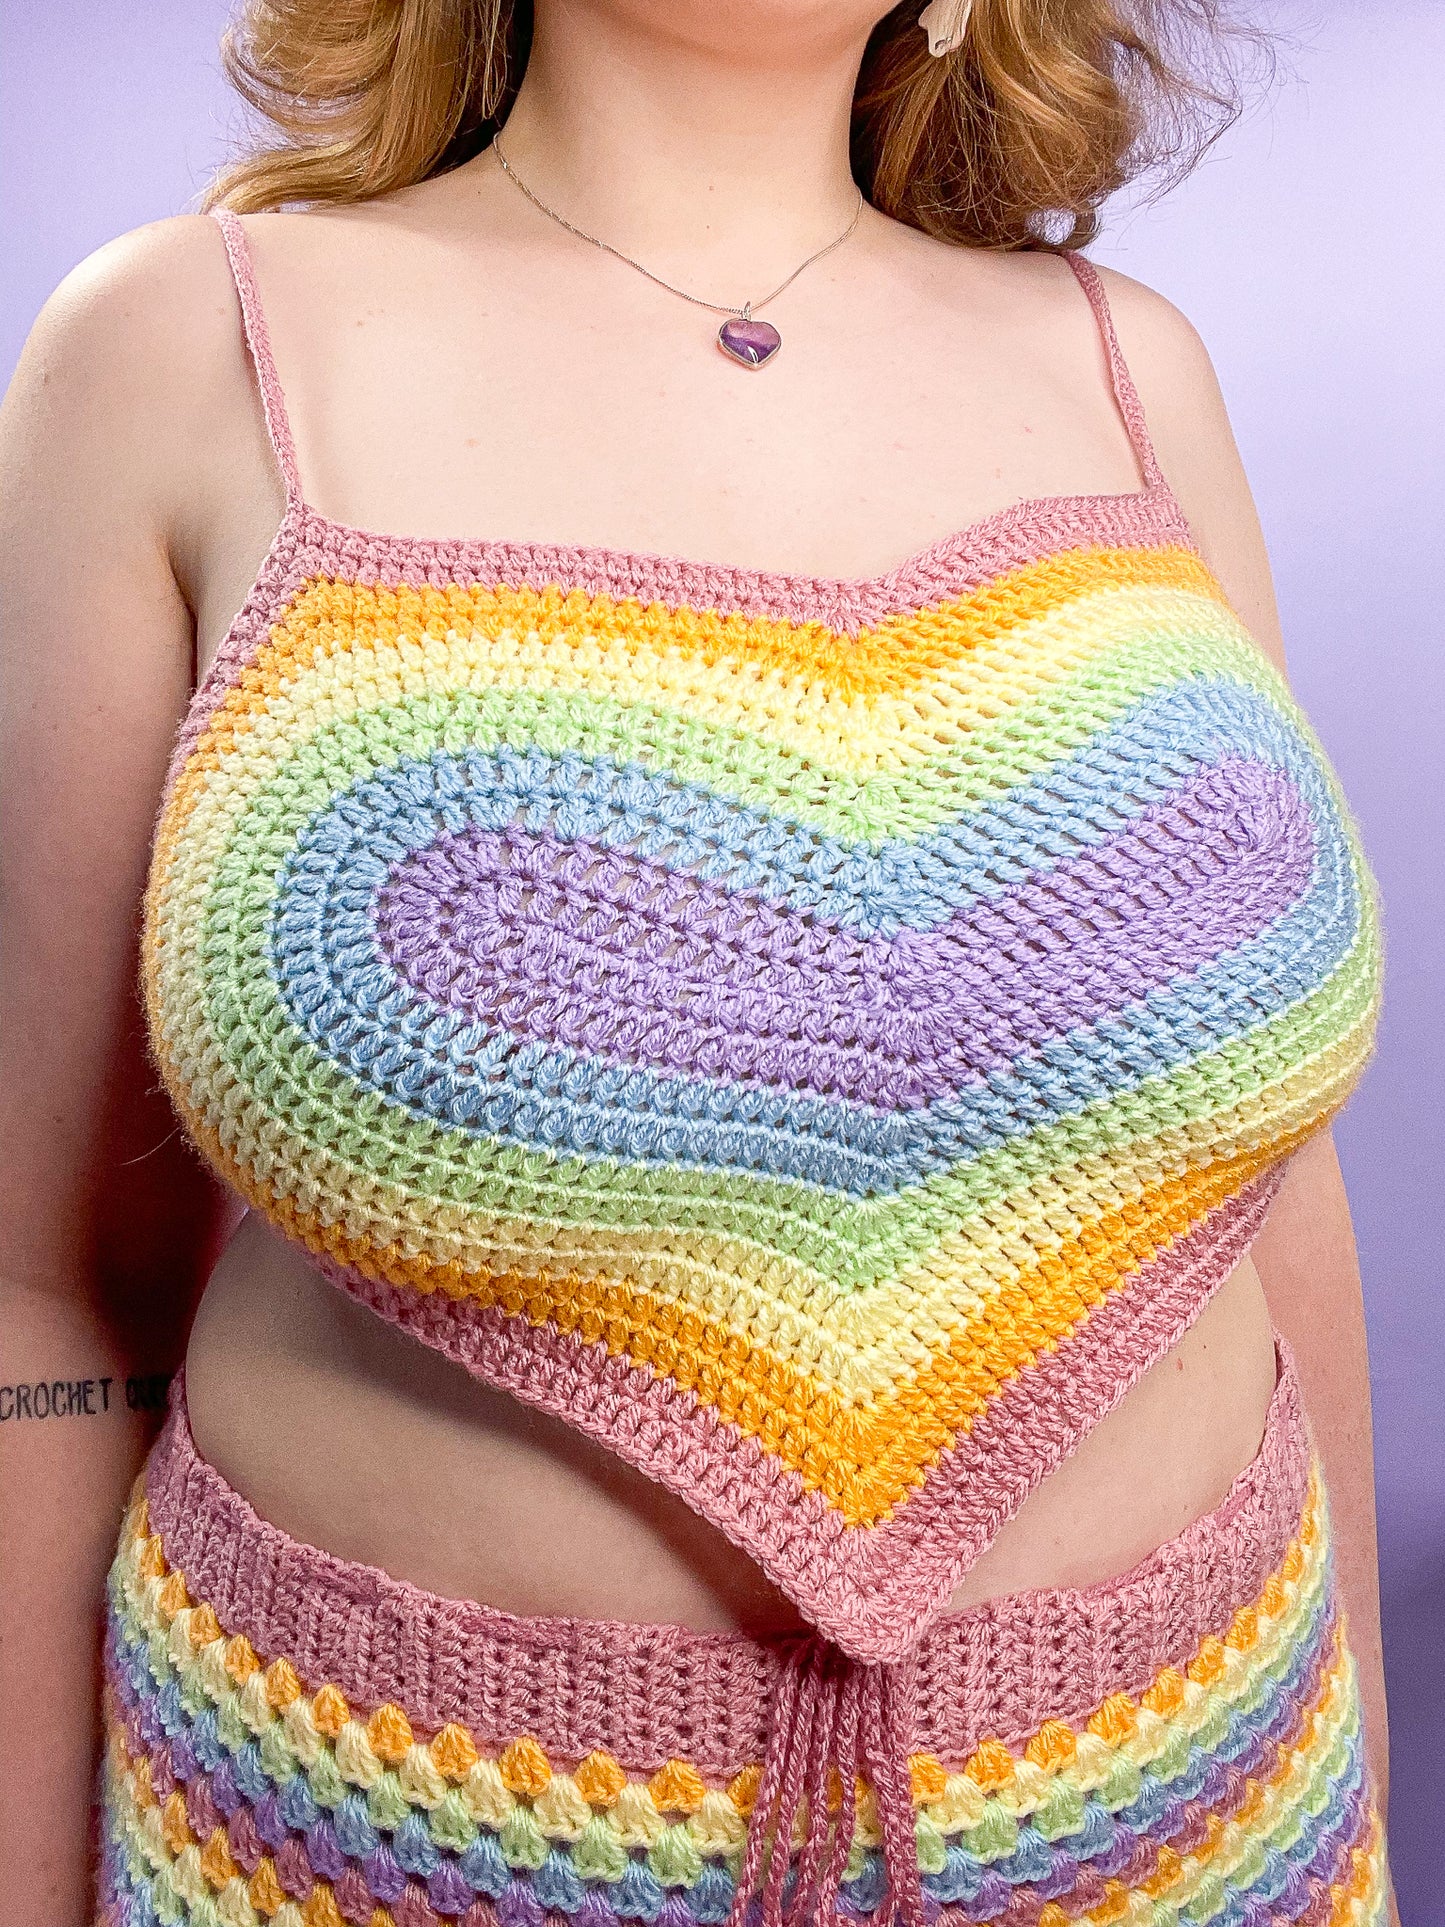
{"points": [[848, 903]]}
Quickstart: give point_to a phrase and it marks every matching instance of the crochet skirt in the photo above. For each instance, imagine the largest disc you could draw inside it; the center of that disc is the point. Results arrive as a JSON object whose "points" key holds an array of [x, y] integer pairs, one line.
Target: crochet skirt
{"points": [[296, 1740]]}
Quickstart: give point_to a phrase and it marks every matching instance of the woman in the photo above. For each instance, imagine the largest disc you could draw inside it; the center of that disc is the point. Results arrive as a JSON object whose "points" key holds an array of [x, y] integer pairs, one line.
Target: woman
{"points": [[806, 1037]]}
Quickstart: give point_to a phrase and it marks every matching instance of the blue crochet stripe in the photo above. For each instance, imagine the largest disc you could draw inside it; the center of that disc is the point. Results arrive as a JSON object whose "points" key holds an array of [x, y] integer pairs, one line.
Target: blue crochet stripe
{"points": [[906, 883], [345, 1833], [435, 1064]]}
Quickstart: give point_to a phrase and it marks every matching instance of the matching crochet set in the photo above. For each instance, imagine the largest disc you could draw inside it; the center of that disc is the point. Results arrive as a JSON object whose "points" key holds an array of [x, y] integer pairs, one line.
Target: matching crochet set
{"points": [[825, 1040]]}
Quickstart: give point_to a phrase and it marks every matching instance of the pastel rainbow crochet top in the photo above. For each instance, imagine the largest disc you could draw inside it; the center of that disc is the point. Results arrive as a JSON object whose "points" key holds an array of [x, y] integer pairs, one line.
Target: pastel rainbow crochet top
{"points": [[824, 1039]]}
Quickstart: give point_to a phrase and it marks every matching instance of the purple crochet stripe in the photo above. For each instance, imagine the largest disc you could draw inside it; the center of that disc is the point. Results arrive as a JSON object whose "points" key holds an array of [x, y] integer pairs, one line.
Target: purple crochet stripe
{"points": [[517, 928], [874, 1589], [214, 1799], [899, 1022]]}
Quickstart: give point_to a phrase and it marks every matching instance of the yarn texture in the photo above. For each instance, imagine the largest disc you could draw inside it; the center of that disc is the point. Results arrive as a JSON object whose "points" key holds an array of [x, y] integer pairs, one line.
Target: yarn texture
{"points": [[823, 1039], [294, 1739]]}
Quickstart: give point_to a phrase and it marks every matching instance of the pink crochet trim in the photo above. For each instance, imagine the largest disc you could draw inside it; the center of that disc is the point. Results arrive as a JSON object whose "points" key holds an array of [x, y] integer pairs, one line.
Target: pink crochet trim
{"points": [[871, 1590], [647, 1694], [309, 546]]}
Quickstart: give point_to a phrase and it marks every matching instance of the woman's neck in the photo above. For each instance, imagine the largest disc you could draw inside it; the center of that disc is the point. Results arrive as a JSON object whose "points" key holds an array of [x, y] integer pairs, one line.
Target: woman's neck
{"points": [[695, 154]]}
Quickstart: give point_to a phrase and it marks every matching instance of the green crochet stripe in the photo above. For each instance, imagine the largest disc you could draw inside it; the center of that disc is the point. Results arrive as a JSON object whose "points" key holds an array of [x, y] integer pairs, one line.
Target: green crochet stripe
{"points": [[675, 1857], [849, 1243], [744, 768], [1252, 1686]]}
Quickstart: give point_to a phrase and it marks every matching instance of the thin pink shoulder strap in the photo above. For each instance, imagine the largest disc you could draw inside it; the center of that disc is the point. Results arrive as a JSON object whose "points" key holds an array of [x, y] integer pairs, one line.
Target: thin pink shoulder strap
{"points": [[258, 340], [1125, 393]]}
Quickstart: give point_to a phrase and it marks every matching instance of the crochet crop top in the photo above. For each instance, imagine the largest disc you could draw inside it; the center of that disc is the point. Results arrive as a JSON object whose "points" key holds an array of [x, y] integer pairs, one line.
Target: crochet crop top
{"points": [[823, 1039]]}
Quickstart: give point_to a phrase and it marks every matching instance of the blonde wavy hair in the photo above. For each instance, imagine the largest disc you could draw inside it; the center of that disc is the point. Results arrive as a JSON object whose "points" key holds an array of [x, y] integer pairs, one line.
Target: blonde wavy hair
{"points": [[1049, 107]]}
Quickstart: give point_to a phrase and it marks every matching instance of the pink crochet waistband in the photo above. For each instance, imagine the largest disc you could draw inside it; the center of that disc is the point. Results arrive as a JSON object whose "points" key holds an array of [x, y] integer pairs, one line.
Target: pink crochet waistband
{"points": [[647, 1694]]}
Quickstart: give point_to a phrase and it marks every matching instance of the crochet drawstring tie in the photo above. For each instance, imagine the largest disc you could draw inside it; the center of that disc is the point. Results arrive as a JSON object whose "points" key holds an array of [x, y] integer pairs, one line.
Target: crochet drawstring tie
{"points": [[834, 1718]]}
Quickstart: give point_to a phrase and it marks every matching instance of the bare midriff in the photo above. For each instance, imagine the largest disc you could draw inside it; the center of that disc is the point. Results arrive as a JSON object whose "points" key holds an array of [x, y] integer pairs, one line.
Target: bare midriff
{"points": [[351, 1436]]}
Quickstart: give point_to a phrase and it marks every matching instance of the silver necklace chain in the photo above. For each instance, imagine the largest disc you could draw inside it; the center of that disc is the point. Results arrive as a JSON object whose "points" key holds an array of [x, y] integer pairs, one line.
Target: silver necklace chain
{"points": [[746, 311]]}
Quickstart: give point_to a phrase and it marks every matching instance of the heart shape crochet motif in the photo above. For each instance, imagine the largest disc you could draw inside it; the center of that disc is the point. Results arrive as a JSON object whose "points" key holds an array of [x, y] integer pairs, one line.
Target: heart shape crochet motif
{"points": [[818, 1066]]}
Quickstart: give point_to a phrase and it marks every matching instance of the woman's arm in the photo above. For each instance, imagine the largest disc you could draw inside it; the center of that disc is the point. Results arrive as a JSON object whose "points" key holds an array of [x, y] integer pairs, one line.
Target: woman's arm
{"points": [[1306, 1257], [107, 1223], [1305, 1254]]}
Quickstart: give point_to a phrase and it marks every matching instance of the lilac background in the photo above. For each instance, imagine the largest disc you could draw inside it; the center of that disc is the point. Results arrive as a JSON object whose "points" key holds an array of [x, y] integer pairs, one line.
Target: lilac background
{"points": [[1307, 252]]}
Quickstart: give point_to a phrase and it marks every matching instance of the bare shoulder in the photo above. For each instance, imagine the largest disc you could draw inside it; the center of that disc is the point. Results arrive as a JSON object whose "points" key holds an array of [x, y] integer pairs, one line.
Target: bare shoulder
{"points": [[128, 309], [128, 361], [1184, 404], [1172, 369], [1194, 438]]}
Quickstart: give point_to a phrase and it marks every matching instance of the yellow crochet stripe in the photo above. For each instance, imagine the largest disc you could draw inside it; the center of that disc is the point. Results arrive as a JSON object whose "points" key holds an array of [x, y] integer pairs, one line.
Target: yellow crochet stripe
{"points": [[997, 1784], [863, 1461], [160, 1837], [319, 669], [341, 649], [1030, 622], [205, 1875], [213, 1663], [858, 1375], [859, 1342], [972, 1283], [636, 1816]]}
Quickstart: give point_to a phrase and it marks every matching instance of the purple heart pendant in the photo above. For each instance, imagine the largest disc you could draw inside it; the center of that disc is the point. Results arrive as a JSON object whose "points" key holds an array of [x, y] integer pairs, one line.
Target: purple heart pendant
{"points": [[747, 341]]}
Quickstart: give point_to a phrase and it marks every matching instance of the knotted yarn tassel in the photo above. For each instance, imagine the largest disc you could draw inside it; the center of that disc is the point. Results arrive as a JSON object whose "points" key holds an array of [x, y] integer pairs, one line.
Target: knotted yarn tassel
{"points": [[845, 1764], [822, 1758], [885, 1735], [767, 1805], [809, 1738], [832, 1715]]}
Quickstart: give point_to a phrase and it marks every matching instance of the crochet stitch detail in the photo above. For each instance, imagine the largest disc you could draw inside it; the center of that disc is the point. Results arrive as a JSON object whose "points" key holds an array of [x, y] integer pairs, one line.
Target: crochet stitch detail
{"points": [[826, 1041], [1230, 1788]]}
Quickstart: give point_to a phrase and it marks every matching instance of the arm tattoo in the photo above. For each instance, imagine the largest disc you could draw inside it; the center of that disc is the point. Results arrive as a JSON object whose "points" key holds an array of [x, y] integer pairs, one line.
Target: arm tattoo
{"points": [[81, 1397]]}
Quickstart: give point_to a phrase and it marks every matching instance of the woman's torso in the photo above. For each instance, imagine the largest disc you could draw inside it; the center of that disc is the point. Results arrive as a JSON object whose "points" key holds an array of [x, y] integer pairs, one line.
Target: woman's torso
{"points": [[349, 1435], [413, 352]]}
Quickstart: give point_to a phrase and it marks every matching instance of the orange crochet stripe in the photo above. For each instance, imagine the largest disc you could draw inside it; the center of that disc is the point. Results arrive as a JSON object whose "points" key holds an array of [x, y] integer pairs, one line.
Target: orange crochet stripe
{"points": [[862, 1461], [327, 616]]}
